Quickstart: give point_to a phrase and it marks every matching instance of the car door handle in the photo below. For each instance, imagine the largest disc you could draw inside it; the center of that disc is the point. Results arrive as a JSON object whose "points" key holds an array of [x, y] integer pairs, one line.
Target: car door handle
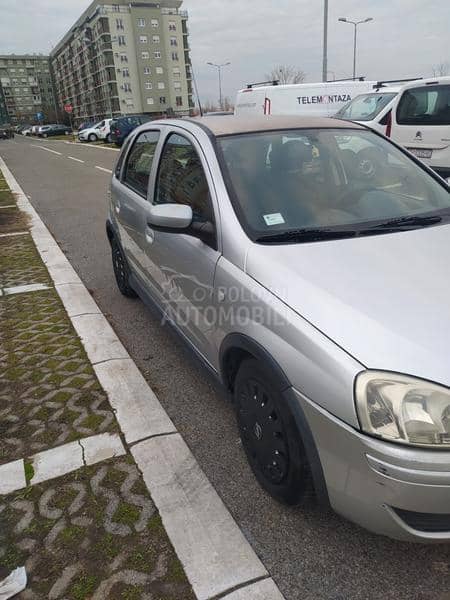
{"points": [[149, 235]]}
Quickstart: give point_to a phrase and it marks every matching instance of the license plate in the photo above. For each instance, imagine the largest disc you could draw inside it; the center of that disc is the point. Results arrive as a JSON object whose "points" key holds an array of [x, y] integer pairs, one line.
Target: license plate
{"points": [[421, 152]]}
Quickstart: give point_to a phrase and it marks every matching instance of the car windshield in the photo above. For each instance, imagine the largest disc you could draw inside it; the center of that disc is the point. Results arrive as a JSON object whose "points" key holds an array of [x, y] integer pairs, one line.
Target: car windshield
{"points": [[365, 107], [314, 184]]}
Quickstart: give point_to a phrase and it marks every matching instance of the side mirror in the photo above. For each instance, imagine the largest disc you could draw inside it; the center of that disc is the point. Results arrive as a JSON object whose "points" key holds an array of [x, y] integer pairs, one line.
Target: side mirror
{"points": [[169, 217]]}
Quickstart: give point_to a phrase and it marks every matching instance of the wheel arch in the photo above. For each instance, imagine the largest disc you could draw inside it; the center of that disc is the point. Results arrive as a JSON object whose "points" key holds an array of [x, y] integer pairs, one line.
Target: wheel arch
{"points": [[235, 348]]}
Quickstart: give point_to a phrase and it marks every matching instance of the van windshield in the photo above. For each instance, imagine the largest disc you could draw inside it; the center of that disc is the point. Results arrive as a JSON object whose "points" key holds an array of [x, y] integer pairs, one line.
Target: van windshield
{"points": [[365, 107], [312, 184], [428, 105]]}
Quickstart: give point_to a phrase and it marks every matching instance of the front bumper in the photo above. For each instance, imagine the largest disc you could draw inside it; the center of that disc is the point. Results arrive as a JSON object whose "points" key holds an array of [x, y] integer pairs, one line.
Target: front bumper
{"points": [[401, 492]]}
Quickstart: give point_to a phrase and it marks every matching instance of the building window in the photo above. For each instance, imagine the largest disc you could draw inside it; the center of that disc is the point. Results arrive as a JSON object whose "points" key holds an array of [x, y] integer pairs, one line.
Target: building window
{"points": [[162, 100], [121, 40], [148, 85], [172, 26], [177, 85], [147, 71], [179, 101], [176, 72], [141, 22], [156, 39], [126, 72], [150, 101], [126, 87], [155, 23], [159, 70], [116, 8], [124, 58], [119, 24], [143, 39], [175, 56], [161, 85], [157, 54], [145, 55], [173, 41]]}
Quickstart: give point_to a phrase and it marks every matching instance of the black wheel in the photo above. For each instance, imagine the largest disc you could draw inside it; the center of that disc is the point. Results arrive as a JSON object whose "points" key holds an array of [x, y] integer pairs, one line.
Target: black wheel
{"points": [[92, 137], [270, 436], [121, 270], [108, 139]]}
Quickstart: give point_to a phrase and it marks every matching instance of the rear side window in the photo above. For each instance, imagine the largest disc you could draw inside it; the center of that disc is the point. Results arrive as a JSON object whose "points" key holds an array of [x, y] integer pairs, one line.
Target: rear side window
{"points": [[139, 162], [428, 105]]}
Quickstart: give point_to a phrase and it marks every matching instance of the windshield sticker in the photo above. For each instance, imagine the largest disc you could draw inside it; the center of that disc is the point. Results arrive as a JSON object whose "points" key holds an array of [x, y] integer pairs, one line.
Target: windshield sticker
{"points": [[274, 219]]}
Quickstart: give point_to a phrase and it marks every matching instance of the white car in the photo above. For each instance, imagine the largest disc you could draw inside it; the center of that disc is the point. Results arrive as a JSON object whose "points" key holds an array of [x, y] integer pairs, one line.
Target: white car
{"points": [[421, 122], [26, 131], [100, 131]]}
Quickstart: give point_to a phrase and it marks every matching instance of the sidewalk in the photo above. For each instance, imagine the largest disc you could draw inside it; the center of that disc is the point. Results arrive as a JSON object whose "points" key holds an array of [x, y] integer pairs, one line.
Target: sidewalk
{"points": [[93, 532], [100, 497]]}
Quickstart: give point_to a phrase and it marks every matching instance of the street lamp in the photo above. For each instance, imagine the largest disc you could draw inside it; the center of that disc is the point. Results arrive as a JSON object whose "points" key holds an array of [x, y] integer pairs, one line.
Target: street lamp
{"points": [[355, 24], [219, 69]]}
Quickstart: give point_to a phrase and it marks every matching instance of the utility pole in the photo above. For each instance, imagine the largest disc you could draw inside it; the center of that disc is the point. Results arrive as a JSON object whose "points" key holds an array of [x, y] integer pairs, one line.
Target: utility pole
{"points": [[325, 41]]}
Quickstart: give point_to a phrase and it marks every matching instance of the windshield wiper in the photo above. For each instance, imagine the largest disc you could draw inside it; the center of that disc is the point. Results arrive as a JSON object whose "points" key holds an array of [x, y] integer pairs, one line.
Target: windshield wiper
{"points": [[408, 222], [306, 235]]}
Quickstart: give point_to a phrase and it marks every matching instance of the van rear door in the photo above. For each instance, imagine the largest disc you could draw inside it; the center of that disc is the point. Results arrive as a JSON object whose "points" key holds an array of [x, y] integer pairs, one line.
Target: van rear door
{"points": [[421, 123]]}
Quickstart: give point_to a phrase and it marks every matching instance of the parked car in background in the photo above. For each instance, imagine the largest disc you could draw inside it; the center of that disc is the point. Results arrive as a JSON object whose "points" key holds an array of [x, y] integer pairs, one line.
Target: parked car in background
{"points": [[99, 131], [312, 281], [35, 129], [52, 130], [26, 130], [421, 122], [6, 132], [121, 127], [85, 125]]}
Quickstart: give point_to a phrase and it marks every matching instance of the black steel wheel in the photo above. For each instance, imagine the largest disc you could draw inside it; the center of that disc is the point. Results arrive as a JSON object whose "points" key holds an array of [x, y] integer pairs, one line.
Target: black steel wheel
{"points": [[270, 436], [121, 270]]}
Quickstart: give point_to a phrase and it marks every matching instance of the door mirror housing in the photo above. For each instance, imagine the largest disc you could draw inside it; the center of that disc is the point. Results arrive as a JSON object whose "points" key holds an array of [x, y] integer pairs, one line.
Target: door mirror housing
{"points": [[169, 217]]}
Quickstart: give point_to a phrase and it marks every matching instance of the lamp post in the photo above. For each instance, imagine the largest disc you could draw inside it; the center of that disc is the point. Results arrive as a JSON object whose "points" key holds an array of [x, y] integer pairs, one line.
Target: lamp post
{"points": [[219, 69], [355, 24], [325, 41]]}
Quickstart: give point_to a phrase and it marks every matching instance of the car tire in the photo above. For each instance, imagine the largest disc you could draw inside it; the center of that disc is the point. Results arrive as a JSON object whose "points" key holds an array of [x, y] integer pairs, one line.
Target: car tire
{"points": [[92, 137], [108, 139], [45, 135], [121, 270], [270, 436]]}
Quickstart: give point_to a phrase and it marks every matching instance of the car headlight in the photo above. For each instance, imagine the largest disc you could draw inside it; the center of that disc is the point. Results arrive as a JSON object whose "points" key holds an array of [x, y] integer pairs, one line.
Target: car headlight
{"points": [[403, 409]]}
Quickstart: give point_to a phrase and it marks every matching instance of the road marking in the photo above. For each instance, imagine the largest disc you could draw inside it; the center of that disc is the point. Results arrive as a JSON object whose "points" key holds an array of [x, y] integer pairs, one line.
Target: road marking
{"points": [[102, 169], [93, 146], [76, 159], [47, 149]]}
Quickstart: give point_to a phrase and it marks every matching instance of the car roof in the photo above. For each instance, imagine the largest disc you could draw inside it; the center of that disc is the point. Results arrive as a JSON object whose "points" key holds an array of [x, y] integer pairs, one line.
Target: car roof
{"points": [[429, 81], [233, 125]]}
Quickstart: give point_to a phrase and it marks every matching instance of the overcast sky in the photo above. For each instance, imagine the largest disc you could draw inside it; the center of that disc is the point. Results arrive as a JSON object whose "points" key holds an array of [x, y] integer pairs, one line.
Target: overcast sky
{"points": [[406, 38]]}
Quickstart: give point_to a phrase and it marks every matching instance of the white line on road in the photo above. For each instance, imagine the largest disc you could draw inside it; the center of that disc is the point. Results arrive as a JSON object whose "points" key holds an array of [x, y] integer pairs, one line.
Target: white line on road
{"points": [[47, 149], [93, 146], [102, 169], [76, 159]]}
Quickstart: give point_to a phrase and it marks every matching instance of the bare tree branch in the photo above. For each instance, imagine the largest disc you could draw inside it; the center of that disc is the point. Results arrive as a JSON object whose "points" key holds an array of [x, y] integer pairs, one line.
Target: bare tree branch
{"points": [[441, 69], [286, 74]]}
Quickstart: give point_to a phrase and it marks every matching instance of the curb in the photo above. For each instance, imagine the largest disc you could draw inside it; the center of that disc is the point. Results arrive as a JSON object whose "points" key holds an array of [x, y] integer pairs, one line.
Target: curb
{"points": [[217, 558]]}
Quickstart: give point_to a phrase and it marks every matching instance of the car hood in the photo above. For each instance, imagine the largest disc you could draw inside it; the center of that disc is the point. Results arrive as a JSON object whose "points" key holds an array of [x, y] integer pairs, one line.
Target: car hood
{"points": [[384, 299]]}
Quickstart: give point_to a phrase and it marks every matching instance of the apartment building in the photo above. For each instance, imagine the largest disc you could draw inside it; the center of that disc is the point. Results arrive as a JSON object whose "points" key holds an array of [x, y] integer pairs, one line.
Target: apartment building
{"points": [[26, 87], [125, 58]]}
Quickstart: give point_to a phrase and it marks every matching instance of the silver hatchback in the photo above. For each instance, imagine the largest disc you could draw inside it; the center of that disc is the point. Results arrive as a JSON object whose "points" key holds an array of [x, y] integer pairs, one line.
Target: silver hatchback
{"points": [[306, 262]]}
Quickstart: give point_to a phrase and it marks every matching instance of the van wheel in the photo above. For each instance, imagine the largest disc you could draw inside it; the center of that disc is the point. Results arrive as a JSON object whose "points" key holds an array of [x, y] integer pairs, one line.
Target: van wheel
{"points": [[92, 137], [270, 436], [121, 270]]}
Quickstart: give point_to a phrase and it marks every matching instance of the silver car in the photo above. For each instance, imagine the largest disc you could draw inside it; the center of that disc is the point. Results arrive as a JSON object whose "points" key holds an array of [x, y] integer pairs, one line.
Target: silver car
{"points": [[306, 262]]}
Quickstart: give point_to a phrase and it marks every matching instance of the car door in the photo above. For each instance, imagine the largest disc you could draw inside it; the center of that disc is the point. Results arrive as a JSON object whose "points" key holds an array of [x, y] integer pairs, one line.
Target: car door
{"points": [[129, 189], [183, 266]]}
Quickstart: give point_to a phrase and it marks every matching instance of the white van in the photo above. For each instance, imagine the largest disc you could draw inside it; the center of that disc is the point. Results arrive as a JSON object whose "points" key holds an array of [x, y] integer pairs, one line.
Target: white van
{"points": [[421, 122], [313, 99]]}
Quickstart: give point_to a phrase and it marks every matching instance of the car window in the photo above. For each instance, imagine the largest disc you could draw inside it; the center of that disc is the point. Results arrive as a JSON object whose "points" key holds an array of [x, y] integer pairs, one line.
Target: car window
{"points": [[182, 180], [365, 107], [139, 162], [324, 178], [428, 105]]}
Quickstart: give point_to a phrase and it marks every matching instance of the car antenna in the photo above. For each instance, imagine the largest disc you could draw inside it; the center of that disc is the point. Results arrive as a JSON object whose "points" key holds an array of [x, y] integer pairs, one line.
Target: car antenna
{"points": [[196, 91]]}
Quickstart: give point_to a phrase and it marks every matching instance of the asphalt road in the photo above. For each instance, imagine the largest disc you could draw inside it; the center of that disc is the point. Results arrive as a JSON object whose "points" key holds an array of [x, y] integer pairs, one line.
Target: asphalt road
{"points": [[310, 553]]}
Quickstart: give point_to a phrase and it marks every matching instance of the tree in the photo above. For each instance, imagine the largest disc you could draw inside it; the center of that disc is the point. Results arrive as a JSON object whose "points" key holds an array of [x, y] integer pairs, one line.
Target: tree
{"points": [[286, 74], [441, 69]]}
